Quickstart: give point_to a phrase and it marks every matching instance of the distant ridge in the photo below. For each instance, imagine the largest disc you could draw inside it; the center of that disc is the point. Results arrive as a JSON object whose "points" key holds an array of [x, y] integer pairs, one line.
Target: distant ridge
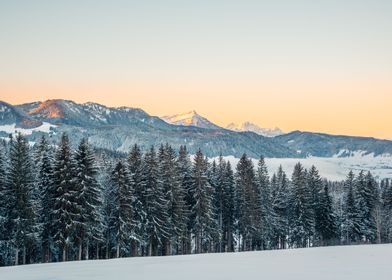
{"points": [[118, 129]]}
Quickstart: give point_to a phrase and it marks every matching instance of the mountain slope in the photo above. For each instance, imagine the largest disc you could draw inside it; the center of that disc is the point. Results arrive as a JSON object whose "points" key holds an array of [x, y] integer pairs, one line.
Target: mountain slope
{"points": [[12, 115], [248, 126], [191, 118], [361, 262], [326, 145], [118, 129]]}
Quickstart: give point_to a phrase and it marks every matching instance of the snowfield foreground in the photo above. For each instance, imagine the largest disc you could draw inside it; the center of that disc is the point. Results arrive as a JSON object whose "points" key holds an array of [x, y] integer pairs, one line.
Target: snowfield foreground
{"points": [[332, 263]]}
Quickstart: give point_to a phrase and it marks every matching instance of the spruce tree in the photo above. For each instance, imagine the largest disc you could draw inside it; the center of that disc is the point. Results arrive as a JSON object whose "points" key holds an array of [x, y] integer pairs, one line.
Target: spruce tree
{"points": [[315, 186], [45, 188], [121, 222], [157, 229], [6, 196], [326, 219], [185, 173], [175, 197], [88, 198], [366, 195], [66, 211], [228, 215], [202, 208], [22, 213], [302, 216], [280, 208], [350, 225], [247, 205], [264, 193], [135, 167]]}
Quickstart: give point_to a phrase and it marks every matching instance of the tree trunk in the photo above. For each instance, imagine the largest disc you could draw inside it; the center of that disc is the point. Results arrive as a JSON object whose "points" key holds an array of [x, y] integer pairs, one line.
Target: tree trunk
{"points": [[24, 254], [16, 256], [97, 252], [64, 254], [87, 250], [80, 251]]}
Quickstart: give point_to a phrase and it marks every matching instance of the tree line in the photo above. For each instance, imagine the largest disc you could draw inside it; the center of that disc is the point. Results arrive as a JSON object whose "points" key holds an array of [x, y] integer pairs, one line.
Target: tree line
{"points": [[59, 203]]}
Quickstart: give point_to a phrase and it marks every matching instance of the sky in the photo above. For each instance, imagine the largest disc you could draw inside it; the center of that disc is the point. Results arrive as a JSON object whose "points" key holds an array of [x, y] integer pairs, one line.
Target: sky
{"points": [[322, 66]]}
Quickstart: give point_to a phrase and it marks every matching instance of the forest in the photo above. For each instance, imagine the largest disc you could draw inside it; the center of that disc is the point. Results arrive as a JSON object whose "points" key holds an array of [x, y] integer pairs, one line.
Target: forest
{"points": [[67, 201]]}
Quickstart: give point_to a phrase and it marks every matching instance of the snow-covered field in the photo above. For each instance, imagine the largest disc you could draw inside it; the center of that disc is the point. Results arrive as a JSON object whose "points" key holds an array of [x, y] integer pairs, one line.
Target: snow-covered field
{"points": [[333, 168], [329, 263], [12, 129]]}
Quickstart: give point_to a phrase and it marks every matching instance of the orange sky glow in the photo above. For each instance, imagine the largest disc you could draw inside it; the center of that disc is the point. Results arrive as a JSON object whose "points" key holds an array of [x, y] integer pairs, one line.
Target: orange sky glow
{"points": [[321, 66]]}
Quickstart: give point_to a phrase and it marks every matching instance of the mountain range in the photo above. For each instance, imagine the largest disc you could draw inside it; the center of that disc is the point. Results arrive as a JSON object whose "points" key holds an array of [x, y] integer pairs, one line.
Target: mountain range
{"points": [[119, 128]]}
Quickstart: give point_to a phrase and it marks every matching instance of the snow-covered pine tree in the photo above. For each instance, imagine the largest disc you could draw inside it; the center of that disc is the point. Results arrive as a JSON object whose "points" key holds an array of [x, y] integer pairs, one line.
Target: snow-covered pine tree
{"points": [[387, 210], [157, 229], [366, 194], [264, 192], [122, 225], [135, 167], [89, 232], [108, 209], [326, 219], [228, 215], [5, 210], [22, 215], [66, 211], [175, 196], [247, 205], [280, 208], [44, 185], [301, 211], [350, 224], [316, 188], [202, 209], [185, 172], [217, 181]]}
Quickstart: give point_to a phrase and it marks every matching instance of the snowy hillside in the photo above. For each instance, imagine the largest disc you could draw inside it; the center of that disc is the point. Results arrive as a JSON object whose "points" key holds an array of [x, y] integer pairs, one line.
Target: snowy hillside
{"points": [[333, 168], [191, 118], [248, 126], [329, 263]]}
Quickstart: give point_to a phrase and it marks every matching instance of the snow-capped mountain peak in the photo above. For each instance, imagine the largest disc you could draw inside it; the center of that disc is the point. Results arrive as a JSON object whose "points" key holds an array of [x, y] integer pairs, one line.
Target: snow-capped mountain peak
{"points": [[191, 118], [248, 126]]}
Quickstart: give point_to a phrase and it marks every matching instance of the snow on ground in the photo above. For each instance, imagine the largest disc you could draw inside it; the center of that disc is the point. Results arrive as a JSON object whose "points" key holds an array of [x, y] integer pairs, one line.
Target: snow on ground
{"points": [[325, 263], [333, 168], [12, 129]]}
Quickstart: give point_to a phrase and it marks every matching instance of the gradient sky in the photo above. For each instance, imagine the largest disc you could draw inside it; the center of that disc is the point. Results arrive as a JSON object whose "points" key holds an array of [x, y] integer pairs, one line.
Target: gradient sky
{"points": [[309, 65]]}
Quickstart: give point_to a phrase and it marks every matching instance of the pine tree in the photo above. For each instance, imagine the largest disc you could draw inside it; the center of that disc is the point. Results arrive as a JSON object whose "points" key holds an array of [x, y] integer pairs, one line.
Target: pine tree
{"points": [[174, 195], [247, 204], [6, 196], [217, 181], [66, 211], [264, 193], [228, 215], [135, 167], [387, 211], [45, 188], [326, 219], [88, 198], [156, 205], [350, 225], [22, 213], [202, 208], [366, 198], [302, 216], [185, 173], [315, 186], [121, 224], [280, 208]]}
